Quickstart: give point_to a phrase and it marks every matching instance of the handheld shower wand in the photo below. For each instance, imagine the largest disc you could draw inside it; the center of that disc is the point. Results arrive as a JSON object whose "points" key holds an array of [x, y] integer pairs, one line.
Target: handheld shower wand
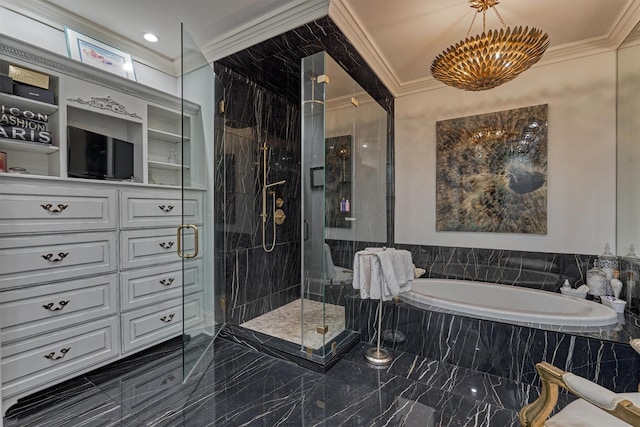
{"points": [[264, 214]]}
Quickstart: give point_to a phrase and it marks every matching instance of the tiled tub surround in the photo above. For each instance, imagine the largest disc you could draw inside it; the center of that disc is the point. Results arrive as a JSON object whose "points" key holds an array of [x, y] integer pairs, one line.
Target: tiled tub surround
{"points": [[501, 349]]}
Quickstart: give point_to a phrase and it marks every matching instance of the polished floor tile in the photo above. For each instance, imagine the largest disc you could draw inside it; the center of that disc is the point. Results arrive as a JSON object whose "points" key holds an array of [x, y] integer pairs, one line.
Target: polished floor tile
{"points": [[242, 387]]}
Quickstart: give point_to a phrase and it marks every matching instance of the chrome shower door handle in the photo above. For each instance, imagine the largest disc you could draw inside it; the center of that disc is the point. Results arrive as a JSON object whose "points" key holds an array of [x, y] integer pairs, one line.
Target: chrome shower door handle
{"points": [[195, 242]]}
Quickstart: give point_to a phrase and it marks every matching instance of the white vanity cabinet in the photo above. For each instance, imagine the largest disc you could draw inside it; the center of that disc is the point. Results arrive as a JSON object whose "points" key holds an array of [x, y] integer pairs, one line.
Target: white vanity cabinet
{"points": [[58, 282], [89, 270], [90, 274], [153, 281]]}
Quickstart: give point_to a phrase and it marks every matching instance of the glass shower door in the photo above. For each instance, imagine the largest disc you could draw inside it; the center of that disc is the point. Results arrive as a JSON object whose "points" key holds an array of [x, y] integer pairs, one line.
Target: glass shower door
{"points": [[344, 167], [202, 316]]}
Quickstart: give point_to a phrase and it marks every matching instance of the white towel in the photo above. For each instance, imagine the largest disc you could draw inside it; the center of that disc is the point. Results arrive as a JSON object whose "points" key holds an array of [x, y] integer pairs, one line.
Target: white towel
{"points": [[382, 274]]}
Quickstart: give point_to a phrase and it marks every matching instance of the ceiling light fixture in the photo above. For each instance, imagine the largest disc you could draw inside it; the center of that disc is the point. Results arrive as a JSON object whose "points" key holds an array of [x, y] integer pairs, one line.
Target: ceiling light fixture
{"points": [[490, 59], [150, 37]]}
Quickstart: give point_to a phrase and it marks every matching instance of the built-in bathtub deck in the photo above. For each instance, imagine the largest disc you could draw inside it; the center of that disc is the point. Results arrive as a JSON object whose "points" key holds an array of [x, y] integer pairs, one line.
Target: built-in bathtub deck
{"points": [[505, 350]]}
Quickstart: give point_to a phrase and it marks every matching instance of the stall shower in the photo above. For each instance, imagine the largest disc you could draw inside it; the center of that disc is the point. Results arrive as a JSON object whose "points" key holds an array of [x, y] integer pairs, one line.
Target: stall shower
{"points": [[291, 167]]}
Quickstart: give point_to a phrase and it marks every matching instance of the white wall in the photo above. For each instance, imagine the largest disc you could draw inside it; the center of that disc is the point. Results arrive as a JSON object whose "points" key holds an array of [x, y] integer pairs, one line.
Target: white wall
{"points": [[628, 148], [581, 175]]}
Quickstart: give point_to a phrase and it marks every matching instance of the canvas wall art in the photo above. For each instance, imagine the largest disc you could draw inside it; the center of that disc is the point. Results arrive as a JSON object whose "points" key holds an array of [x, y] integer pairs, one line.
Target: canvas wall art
{"points": [[491, 172]]}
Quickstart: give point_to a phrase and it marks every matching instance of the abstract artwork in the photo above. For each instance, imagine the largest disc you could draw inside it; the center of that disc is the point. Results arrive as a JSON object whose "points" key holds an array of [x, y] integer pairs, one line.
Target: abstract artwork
{"points": [[491, 172]]}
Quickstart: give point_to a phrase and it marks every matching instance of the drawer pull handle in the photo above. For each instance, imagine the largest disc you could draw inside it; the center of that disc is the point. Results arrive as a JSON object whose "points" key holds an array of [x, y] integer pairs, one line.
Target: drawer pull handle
{"points": [[167, 208], [166, 245], [49, 208], [167, 319], [61, 303], [61, 255], [168, 281], [52, 355]]}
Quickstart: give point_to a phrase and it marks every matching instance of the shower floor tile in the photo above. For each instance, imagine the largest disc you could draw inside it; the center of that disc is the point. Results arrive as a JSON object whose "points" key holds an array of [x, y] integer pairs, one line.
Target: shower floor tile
{"points": [[284, 322]]}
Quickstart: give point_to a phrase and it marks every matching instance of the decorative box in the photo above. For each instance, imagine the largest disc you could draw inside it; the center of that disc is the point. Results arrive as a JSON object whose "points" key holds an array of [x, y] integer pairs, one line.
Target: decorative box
{"points": [[6, 84], [29, 77], [32, 92]]}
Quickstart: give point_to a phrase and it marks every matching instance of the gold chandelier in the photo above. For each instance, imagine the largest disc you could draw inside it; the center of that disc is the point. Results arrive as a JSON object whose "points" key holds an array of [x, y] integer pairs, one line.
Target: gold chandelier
{"points": [[489, 59]]}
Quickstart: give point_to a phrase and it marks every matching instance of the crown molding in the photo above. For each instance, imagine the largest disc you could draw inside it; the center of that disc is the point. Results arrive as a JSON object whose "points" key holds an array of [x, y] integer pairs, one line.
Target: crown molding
{"points": [[55, 17], [352, 28], [623, 30], [265, 27]]}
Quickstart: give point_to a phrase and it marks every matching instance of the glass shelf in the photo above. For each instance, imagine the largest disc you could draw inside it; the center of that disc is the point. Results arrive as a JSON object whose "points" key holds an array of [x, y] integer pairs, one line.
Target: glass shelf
{"points": [[165, 165], [165, 136]]}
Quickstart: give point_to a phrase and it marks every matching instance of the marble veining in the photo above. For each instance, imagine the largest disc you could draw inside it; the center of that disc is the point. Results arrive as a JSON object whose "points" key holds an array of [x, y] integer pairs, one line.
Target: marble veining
{"points": [[244, 387]]}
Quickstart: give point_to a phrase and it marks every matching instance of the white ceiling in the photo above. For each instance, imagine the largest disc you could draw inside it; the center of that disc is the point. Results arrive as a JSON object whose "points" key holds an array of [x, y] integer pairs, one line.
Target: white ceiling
{"points": [[398, 38]]}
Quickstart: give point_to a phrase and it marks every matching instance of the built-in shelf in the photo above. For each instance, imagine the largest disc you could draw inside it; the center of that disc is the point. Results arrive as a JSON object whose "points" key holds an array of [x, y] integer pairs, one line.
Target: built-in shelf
{"points": [[165, 165], [22, 103], [165, 136], [31, 147]]}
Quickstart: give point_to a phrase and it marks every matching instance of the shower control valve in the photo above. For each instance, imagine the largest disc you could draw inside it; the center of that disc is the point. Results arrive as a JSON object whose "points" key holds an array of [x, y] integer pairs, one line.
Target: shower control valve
{"points": [[279, 216]]}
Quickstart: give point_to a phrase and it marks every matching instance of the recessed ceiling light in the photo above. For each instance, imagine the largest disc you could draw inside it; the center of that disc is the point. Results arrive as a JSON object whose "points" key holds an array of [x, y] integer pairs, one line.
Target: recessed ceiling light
{"points": [[150, 37]]}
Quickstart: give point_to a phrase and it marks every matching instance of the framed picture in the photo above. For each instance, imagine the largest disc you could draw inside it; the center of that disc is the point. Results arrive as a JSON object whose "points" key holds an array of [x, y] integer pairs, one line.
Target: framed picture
{"points": [[491, 172], [97, 54]]}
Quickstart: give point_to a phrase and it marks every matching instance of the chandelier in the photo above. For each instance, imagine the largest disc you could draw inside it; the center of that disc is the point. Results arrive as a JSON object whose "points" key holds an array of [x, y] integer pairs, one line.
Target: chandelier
{"points": [[490, 59]]}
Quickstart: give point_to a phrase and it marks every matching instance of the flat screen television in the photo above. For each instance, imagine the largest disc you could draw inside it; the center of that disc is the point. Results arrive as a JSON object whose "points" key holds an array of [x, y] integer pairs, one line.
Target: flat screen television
{"points": [[95, 156]]}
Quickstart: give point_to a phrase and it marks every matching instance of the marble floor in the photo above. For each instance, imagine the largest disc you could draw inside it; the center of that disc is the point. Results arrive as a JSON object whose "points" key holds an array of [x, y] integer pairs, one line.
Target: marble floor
{"points": [[284, 322], [242, 387]]}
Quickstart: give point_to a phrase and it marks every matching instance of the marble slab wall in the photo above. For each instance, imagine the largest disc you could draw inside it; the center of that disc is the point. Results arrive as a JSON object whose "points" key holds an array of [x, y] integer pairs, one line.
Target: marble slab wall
{"points": [[538, 270], [275, 63], [257, 281], [546, 271]]}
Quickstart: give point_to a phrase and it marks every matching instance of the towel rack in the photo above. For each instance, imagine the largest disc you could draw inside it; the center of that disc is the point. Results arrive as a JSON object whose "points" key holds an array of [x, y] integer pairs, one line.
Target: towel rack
{"points": [[377, 355]]}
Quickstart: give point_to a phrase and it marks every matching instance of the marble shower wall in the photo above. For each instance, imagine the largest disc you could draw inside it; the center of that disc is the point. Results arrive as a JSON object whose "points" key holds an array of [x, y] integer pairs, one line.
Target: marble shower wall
{"points": [[257, 281]]}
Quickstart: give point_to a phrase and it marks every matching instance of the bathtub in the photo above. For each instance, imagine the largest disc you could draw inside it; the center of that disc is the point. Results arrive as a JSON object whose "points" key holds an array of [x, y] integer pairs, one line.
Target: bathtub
{"points": [[511, 304]]}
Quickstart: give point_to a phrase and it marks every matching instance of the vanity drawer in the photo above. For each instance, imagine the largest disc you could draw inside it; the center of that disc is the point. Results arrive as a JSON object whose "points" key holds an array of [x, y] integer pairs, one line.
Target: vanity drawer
{"points": [[37, 309], [48, 258], [39, 361], [150, 325], [143, 248], [152, 285], [160, 209], [34, 209]]}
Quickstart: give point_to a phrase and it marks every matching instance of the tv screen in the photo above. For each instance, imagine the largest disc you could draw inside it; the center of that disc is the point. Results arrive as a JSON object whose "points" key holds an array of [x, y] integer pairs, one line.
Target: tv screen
{"points": [[95, 156]]}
